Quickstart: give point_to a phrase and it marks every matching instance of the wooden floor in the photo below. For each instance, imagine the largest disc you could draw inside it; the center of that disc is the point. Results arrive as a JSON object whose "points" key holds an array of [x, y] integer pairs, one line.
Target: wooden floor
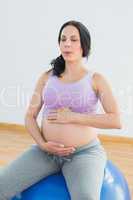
{"points": [[13, 143]]}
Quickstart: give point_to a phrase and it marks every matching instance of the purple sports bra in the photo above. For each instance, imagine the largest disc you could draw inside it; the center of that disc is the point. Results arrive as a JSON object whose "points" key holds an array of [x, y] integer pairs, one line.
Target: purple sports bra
{"points": [[79, 96]]}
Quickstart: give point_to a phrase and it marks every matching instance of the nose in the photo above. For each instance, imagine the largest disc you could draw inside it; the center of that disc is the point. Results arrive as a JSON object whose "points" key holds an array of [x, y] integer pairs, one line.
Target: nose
{"points": [[67, 43]]}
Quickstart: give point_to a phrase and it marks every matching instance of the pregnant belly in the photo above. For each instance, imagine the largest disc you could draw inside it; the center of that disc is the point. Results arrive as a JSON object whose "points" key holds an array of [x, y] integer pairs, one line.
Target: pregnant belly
{"points": [[68, 134]]}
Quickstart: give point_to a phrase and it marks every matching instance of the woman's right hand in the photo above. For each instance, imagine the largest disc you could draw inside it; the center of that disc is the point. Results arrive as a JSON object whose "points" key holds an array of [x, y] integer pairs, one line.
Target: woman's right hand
{"points": [[58, 149]]}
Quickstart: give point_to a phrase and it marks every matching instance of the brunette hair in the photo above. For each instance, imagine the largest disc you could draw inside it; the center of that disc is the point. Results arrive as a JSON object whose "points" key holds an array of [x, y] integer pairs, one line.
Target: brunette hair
{"points": [[58, 64]]}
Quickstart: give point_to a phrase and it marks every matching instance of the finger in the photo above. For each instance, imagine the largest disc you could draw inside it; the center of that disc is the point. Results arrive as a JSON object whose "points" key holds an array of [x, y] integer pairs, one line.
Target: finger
{"points": [[61, 145], [56, 144], [54, 121], [52, 116], [70, 148], [65, 152], [53, 111], [63, 148]]}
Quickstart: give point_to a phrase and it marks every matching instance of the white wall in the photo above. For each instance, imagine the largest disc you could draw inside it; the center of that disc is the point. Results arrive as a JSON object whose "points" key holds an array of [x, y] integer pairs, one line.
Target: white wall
{"points": [[28, 42]]}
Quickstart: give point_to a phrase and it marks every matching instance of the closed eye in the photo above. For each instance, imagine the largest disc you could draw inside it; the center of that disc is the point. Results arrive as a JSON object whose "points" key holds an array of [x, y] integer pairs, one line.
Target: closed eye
{"points": [[73, 40]]}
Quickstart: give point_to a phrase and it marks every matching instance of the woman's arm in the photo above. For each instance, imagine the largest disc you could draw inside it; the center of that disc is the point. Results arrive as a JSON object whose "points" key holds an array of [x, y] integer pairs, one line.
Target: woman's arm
{"points": [[111, 118], [32, 126], [33, 111]]}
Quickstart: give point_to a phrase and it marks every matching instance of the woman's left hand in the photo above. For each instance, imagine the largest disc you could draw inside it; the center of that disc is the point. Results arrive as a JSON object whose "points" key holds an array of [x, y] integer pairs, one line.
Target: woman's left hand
{"points": [[61, 115]]}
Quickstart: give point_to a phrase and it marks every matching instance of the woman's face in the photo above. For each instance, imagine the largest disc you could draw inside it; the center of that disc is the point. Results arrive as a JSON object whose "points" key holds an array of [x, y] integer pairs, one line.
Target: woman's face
{"points": [[70, 45]]}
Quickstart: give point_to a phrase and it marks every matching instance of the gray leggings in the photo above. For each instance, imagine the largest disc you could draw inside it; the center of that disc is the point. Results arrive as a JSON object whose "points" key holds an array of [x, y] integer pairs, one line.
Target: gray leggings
{"points": [[83, 171]]}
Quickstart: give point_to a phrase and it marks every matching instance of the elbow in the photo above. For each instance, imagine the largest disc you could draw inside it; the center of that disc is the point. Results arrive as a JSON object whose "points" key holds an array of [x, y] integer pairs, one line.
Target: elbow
{"points": [[118, 126], [118, 123], [28, 118], [115, 121], [26, 121]]}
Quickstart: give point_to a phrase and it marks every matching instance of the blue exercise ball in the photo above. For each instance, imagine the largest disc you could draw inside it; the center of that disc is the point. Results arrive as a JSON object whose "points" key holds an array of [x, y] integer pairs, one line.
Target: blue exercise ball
{"points": [[114, 186], [54, 187]]}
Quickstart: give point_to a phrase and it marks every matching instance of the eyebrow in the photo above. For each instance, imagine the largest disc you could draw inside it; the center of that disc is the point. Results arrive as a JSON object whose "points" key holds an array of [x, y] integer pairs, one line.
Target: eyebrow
{"points": [[71, 36]]}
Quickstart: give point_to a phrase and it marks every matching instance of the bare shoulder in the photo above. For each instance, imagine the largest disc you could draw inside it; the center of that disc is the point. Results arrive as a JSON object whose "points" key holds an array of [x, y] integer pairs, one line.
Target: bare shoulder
{"points": [[99, 81], [98, 77], [44, 77]]}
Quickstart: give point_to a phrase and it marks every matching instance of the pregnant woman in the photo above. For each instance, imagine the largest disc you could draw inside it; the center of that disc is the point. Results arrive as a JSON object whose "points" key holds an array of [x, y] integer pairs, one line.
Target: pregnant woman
{"points": [[68, 93]]}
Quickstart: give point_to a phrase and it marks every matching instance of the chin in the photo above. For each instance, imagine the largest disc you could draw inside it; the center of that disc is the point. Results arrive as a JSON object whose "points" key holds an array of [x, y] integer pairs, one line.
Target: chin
{"points": [[69, 59]]}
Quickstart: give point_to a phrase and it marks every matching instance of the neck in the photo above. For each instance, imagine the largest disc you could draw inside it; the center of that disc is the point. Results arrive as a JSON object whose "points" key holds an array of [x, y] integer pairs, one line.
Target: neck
{"points": [[72, 68]]}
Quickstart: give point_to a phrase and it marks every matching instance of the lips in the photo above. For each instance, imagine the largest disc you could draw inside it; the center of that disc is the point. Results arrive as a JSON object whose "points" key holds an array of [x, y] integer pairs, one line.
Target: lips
{"points": [[67, 52]]}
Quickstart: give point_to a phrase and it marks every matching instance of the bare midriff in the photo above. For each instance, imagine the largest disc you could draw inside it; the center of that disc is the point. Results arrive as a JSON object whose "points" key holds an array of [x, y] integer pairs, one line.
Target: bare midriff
{"points": [[68, 134]]}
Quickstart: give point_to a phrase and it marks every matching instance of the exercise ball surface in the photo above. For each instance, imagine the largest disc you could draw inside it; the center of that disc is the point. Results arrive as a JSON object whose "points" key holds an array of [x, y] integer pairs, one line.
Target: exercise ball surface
{"points": [[54, 187]]}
